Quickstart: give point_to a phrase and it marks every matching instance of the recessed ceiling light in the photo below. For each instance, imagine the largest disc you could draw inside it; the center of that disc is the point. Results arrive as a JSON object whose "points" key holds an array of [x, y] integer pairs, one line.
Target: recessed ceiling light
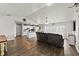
{"points": [[49, 4]]}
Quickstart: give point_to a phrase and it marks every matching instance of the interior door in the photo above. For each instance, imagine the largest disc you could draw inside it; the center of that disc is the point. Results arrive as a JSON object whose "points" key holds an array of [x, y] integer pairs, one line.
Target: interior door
{"points": [[18, 29]]}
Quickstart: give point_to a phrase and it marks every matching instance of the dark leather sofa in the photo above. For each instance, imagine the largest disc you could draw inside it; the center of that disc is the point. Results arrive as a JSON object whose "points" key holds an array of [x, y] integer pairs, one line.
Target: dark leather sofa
{"points": [[53, 39]]}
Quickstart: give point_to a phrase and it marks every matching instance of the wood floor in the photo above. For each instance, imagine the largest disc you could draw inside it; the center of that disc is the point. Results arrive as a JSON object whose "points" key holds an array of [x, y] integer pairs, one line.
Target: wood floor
{"points": [[23, 46]]}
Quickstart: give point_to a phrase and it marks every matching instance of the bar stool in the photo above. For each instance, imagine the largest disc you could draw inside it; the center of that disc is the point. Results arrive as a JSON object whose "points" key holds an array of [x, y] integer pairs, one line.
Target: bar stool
{"points": [[3, 44]]}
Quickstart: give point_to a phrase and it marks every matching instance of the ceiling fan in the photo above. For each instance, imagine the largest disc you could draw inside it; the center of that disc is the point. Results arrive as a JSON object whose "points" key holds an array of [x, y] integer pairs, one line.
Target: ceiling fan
{"points": [[74, 5]]}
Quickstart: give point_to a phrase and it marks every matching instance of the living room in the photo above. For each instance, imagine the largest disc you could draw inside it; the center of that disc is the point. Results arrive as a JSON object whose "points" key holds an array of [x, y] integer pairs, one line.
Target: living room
{"points": [[26, 24]]}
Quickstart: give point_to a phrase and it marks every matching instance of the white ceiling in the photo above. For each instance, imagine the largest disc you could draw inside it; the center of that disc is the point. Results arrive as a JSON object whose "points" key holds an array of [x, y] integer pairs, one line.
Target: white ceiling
{"points": [[57, 12], [19, 9], [24, 9]]}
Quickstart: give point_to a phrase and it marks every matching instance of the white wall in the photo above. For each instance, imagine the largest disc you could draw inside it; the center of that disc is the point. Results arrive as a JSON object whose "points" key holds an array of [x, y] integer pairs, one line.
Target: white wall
{"points": [[77, 34], [76, 17], [8, 26]]}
